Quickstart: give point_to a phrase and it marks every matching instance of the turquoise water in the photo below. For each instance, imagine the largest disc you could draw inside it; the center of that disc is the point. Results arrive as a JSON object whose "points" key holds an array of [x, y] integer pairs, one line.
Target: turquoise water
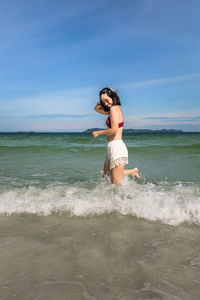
{"points": [[39, 159], [66, 232]]}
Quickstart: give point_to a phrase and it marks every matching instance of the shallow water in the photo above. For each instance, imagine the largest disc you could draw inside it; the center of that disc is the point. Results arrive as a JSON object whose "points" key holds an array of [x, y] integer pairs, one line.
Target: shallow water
{"points": [[98, 257], [66, 233]]}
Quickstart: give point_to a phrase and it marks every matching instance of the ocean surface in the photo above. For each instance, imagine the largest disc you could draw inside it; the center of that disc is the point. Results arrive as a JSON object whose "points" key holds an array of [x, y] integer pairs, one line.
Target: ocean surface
{"points": [[68, 233]]}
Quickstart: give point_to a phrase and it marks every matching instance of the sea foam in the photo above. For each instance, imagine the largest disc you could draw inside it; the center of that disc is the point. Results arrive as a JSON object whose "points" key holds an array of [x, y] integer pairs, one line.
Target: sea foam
{"points": [[168, 203]]}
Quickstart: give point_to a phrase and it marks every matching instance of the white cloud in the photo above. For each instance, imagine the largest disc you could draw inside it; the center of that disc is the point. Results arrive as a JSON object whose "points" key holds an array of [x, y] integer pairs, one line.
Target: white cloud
{"points": [[189, 122], [139, 121], [71, 101], [166, 80], [22, 18]]}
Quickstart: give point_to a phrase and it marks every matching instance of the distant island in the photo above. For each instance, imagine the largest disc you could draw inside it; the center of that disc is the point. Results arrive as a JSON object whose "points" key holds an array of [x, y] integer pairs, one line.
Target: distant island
{"points": [[90, 130], [31, 131], [132, 131]]}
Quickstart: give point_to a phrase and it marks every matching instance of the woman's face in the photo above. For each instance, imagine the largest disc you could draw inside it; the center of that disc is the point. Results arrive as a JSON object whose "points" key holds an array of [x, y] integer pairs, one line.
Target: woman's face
{"points": [[106, 100]]}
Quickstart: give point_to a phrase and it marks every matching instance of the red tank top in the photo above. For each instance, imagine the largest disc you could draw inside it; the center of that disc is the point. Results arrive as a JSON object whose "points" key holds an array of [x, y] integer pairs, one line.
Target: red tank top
{"points": [[108, 123]]}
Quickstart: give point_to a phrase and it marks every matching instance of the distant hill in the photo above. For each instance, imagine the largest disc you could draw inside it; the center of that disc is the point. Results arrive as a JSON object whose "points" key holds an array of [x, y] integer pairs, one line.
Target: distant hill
{"points": [[132, 131]]}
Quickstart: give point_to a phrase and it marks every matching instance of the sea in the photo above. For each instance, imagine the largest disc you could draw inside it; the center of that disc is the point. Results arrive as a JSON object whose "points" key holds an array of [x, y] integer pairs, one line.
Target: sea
{"points": [[67, 233]]}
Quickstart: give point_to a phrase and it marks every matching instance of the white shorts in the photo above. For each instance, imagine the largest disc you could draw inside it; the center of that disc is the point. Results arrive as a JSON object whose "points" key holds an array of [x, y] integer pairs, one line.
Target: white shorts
{"points": [[116, 154]]}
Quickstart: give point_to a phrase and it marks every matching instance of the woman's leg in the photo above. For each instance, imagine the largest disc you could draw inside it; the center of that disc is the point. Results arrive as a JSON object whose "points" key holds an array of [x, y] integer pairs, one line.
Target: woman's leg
{"points": [[132, 172], [106, 168], [117, 174]]}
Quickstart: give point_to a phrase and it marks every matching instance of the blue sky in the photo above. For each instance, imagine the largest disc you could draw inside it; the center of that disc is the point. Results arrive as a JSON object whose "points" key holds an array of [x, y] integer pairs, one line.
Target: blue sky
{"points": [[56, 55]]}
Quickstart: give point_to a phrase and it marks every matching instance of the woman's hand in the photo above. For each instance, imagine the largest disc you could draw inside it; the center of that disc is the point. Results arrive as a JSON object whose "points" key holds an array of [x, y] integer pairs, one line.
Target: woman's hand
{"points": [[95, 134], [99, 109]]}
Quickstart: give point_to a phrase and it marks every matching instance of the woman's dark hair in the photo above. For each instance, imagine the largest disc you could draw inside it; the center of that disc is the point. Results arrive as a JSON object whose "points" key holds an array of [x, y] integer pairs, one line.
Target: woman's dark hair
{"points": [[112, 94]]}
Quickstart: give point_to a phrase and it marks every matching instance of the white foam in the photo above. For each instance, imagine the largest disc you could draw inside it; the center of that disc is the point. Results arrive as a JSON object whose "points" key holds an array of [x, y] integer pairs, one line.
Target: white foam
{"points": [[170, 204]]}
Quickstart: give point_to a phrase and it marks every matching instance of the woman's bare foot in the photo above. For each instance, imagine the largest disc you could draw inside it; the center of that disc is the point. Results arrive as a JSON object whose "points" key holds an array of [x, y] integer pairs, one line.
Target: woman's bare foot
{"points": [[132, 172], [135, 173]]}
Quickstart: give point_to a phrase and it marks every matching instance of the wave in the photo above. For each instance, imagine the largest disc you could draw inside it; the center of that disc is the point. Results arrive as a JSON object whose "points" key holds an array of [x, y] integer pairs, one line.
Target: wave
{"points": [[52, 147], [165, 147], [96, 148], [168, 203]]}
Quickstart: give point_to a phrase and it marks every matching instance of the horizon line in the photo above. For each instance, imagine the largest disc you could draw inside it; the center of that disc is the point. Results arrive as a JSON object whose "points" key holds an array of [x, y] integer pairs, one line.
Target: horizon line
{"points": [[136, 129]]}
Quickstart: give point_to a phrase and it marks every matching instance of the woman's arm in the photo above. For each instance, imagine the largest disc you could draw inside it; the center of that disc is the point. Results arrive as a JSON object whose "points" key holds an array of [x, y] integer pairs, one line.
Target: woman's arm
{"points": [[114, 124], [98, 108]]}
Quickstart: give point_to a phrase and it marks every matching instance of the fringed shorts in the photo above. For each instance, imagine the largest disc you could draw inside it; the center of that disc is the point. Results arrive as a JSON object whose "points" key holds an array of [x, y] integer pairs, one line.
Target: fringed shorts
{"points": [[116, 154]]}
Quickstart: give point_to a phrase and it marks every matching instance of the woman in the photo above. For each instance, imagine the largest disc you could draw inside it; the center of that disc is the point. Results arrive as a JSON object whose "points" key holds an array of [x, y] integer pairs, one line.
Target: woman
{"points": [[117, 153]]}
